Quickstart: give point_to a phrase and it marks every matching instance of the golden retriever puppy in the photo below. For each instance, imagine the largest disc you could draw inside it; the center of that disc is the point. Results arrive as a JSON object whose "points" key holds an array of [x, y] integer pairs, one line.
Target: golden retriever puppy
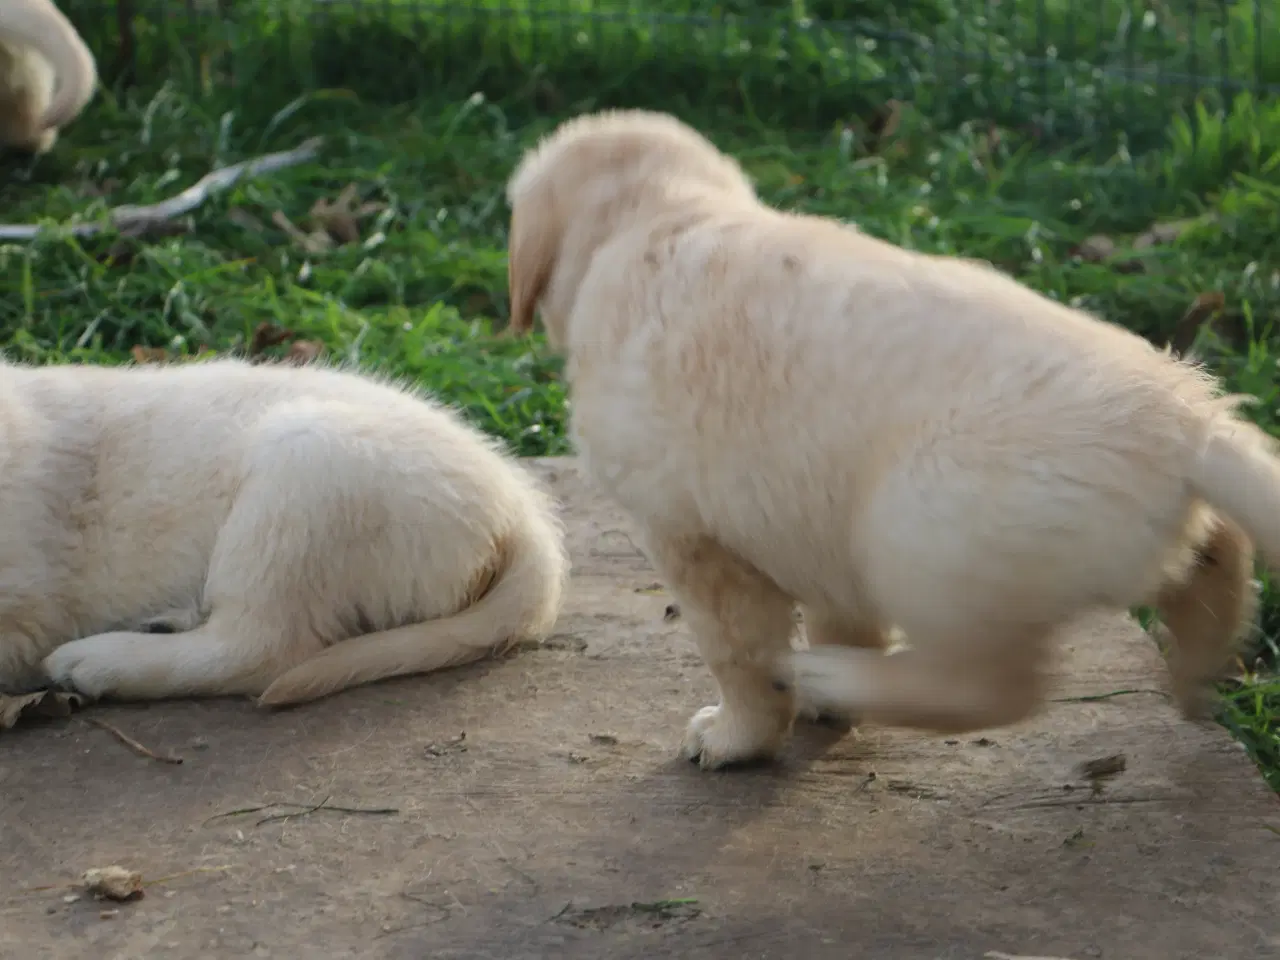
{"points": [[297, 530], [793, 411], [47, 74]]}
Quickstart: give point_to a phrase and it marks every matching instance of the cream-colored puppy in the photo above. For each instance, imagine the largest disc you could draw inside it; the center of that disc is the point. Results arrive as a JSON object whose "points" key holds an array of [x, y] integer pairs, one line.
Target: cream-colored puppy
{"points": [[793, 411], [301, 530], [47, 74]]}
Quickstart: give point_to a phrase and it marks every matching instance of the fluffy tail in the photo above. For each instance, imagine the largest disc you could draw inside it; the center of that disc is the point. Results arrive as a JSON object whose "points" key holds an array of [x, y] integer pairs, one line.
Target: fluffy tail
{"points": [[40, 25], [1238, 474], [523, 603]]}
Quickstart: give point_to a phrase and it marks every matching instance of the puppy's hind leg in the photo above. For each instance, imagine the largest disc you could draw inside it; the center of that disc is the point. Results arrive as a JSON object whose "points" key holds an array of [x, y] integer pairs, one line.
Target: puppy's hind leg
{"points": [[1207, 613], [215, 659], [282, 560], [741, 621], [981, 676]]}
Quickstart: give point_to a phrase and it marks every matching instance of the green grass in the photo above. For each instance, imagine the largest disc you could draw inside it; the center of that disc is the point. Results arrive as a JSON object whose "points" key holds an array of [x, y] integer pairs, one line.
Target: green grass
{"points": [[978, 163]]}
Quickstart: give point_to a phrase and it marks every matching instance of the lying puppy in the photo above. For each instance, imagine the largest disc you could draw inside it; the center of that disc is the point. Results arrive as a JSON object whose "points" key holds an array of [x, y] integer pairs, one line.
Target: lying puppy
{"points": [[302, 530], [792, 411], [47, 74]]}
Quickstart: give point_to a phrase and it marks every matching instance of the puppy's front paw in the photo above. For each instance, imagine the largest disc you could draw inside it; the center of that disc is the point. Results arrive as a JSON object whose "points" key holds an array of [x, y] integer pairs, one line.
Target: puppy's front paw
{"points": [[717, 737], [82, 666]]}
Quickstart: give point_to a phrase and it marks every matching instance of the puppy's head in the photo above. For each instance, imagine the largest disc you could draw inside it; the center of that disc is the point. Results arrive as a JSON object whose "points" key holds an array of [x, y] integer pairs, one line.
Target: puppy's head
{"points": [[589, 178]]}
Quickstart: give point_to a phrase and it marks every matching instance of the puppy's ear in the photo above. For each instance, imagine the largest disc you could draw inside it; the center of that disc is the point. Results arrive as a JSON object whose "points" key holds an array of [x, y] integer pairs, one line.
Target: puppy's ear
{"points": [[530, 259]]}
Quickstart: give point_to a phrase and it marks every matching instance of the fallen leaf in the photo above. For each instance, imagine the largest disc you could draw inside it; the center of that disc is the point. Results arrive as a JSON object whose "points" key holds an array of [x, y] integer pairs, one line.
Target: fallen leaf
{"points": [[340, 219], [317, 241], [113, 883], [1203, 311], [268, 335], [1096, 249], [41, 705], [149, 354], [302, 352], [887, 120], [1159, 234], [94, 190]]}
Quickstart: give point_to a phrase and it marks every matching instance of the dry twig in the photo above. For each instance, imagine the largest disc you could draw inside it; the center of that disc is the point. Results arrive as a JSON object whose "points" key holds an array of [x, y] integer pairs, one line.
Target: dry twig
{"points": [[131, 743], [137, 219], [302, 811]]}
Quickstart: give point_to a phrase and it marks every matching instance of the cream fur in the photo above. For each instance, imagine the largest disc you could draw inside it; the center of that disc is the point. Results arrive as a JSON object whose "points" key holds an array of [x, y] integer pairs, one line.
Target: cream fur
{"points": [[47, 74], [302, 529], [793, 411]]}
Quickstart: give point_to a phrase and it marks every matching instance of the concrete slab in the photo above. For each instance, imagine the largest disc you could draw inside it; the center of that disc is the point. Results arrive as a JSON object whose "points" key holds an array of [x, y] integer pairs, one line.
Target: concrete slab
{"points": [[540, 811]]}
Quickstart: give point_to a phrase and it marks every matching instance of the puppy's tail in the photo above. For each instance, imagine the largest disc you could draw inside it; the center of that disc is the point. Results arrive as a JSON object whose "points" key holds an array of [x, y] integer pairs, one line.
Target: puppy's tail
{"points": [[1237, 473], [41, 26], [527, 578]]}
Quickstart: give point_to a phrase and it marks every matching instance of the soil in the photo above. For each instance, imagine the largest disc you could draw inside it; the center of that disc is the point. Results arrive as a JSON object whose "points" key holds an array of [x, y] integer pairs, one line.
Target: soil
{"points": [[535, 807]]}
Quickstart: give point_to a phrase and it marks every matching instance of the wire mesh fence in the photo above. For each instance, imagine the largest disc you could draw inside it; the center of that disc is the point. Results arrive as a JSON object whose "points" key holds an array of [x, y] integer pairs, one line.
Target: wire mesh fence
{"points": [[1065, 69]]}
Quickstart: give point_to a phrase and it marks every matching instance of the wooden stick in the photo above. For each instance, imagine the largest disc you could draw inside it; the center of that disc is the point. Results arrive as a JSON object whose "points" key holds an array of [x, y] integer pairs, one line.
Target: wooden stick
{"points": [[137, 219], [131, 743]]}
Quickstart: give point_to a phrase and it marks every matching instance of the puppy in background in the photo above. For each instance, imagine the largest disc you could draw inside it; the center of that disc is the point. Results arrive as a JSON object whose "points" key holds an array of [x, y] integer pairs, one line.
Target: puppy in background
{"points": [[47, 74], [793, 411], [297, 531]]}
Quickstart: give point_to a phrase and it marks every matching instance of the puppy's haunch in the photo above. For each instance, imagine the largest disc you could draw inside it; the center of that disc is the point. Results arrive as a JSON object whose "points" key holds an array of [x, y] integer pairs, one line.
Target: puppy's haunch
{"points": [[47, 74], [274, 531], [792, 411]]}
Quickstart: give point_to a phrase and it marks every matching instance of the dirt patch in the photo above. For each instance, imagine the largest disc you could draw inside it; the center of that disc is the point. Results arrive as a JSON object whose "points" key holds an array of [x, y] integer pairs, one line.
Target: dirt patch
{"points": [[534, 807]]}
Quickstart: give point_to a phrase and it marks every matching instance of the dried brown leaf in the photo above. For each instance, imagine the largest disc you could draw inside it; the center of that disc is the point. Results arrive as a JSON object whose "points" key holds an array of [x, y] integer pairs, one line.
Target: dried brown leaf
{"points": [[1203, 311], [317, 241], [41, 705], [302, 352], [889, 119], [1096, 249], [266, 336], [340, 218], [149, 354], [94, 190], [1159, 234]]}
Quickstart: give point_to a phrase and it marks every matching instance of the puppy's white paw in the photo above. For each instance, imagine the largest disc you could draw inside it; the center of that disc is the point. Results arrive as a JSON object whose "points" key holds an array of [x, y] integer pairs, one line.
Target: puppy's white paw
{"points": [[717, 737], [85, 666]]}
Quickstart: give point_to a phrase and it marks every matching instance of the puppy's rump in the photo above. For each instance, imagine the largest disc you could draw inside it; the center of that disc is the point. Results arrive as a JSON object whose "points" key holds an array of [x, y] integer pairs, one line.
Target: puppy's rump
{"points": [[307, 529], [40, 26], [519, 596]]}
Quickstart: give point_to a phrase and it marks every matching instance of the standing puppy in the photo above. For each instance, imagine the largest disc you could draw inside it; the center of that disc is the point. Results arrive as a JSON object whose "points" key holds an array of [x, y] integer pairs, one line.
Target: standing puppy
{"points": [[793, 411], [296, 530], [47, 74]]}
